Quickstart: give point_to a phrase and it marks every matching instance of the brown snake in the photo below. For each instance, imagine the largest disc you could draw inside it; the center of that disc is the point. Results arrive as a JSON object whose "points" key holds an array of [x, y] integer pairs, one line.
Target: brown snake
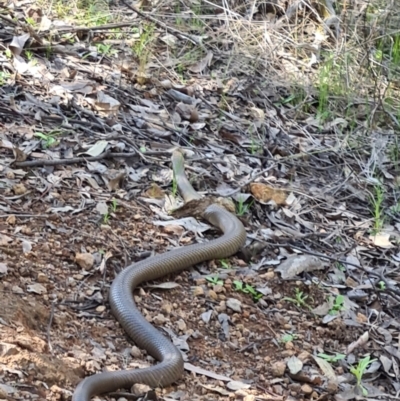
{"points": [[170, 366]]}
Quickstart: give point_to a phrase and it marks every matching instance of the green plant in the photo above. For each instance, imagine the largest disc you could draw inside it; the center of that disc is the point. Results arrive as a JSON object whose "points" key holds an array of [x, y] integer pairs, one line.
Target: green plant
{"points": [[299, 300], [4, 77], [332, 358], [225, 264], [114, 205], [288, 337], [359, 370], [376, 200], [140, 47], [247, 289], [242, 207], [174, 187], [28, 54], [106, 218], [49, 139], [106, 49], [338, 305], [214, 280], [382, 285]]}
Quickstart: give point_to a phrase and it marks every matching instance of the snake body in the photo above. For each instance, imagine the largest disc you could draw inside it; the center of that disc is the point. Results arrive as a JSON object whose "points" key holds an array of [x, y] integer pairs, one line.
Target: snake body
{"points": [[170, 366]]}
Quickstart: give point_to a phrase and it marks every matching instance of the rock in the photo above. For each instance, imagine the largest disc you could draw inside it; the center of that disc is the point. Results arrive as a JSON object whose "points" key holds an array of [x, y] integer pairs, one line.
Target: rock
{"points": [[84, 260], [182, 325], [166, 307], [135, 352], [213, 295], [159, 319], [8, 349], [198, 291], [17, 290], [234, 304], [140, 389], [306, 389], [42, 278], [278, 369]]}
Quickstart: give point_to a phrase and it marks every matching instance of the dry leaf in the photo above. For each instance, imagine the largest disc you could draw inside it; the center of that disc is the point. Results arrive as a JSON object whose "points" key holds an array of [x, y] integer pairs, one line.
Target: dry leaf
{"points": [[37, 288], [154, 192], [326, 368], [297, 264], [202, 64], [97, 149], [263, 193], [294, 364], [84, 260], [382, 240]]}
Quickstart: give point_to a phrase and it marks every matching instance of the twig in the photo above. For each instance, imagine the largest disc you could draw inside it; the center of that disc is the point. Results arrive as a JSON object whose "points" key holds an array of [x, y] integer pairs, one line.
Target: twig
{"points": [[389, 288], [165, 26], [49, 328], [62, 162]]}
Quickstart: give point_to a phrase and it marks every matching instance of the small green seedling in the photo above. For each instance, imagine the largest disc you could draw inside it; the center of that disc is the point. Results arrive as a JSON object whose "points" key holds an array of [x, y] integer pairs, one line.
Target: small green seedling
{"points": [[376, 200], [215, 280], [247, 289], [287, 338], [332, 358], [225, 264], [174, 187], [299, 300], [106, 218], [338, 305], [359, 370], [382, 285], [242, 208], [48, 139], [114, 205]]}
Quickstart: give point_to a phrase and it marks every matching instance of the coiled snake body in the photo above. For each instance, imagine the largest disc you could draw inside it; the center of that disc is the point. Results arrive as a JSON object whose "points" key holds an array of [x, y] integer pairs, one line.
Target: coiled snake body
{"points": [[136, 326]]}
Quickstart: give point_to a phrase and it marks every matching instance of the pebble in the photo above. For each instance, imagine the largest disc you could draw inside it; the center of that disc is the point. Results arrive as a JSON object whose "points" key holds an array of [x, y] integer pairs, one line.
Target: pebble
{"points": [[306, 389], [234, 304], [159, 319], [135, 352], [198, 291], [278, 369], [182, 325]]}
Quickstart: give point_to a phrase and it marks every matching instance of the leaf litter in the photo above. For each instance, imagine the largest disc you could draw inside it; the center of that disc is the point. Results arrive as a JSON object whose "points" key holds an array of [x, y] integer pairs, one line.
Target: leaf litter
{"points": [[85, 141]]}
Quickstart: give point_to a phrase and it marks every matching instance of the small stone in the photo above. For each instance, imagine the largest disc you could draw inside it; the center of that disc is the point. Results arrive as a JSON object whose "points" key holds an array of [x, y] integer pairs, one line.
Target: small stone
{"points": [[268, 276], [361, 318], [135, 352], [159, 319], [166, 307], [84, 260], [306, 389], [11, 220], [37, 288], [140, 389], [277, 389], [42, 278], [278, 369], [249, 397], [17, 290], [331, 387], [197, 291], [218, 288], [289, 345], [304, 356], [213, 295], [8, 349], [234, 304], [19, 189], [100, 308], [182, 325]]}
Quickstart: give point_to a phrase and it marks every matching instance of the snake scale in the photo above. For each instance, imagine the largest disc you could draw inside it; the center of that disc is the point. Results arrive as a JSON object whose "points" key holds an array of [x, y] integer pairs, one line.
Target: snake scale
{"points": [[170, 366]]}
